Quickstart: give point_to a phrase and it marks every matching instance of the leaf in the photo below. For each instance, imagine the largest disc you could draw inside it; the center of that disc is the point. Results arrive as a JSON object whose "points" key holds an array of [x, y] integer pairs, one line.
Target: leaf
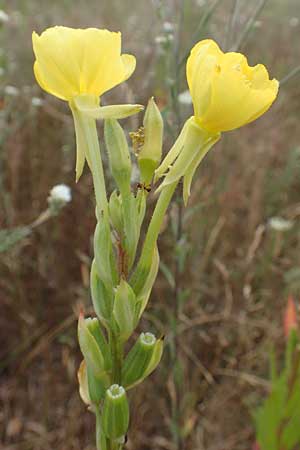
{"points": [[10, 237]]}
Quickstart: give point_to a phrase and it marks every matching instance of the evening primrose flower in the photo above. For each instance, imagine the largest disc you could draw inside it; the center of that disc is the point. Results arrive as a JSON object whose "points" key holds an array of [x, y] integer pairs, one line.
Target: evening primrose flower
{"points": [[78, 66], [226, 94], [71, 62]]}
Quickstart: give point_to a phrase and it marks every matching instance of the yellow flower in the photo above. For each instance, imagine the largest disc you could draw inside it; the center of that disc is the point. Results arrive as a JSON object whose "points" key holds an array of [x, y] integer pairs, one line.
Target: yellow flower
{"points": [[79, 66], [71, 62], [226, 92]]}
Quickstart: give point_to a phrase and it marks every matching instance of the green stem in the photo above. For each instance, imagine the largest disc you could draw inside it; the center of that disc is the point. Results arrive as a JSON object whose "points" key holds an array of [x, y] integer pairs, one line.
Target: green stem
{"points": [[116, 349], [144, 264], [89, 126]]}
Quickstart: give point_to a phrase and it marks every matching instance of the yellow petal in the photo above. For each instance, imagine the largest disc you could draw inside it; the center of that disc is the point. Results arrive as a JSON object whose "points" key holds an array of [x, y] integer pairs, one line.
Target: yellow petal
{"points": [[201, 65], [129, 62], [70, 62], [56, 64], [226, 92], [236, 98]]}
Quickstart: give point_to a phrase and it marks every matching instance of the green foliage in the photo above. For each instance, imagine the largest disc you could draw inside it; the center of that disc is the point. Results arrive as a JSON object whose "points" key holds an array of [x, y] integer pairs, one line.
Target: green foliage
{"points": [[277, 420], [9, 238]]}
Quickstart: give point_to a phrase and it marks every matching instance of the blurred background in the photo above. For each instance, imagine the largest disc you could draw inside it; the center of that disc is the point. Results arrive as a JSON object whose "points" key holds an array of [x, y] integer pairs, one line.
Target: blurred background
{"points": [[229, 260]]}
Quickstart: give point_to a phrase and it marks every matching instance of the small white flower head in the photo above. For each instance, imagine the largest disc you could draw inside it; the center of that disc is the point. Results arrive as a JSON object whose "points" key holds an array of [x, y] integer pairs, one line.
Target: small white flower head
{"points": [[59, 196], [61, 192], [168, 27], [11, 90], [257, 24], [36, 101], [4, 18], [161, 40], [185, 98], [280, 224], [201, 3], [294, 22]]}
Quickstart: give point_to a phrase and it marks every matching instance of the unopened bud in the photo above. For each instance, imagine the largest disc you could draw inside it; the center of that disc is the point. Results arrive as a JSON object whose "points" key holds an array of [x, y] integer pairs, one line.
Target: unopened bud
{"points": [[150, 154], [138, 359], [115, 212], [125, 310], [90, 348], [118, 153], [115, 418]]}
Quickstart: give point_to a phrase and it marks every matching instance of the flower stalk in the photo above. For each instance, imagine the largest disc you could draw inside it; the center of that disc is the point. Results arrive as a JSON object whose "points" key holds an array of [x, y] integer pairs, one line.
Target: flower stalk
{"points": [[89, 62]]}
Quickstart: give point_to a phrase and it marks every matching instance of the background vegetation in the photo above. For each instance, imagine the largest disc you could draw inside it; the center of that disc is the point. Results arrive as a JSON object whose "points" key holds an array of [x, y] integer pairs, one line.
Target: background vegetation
{"points": [[226, 268]]}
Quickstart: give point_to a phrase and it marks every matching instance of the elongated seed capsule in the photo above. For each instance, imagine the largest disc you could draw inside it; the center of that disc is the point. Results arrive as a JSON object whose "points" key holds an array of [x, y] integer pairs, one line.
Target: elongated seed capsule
{"points": [[115, 416], [138, 359]]}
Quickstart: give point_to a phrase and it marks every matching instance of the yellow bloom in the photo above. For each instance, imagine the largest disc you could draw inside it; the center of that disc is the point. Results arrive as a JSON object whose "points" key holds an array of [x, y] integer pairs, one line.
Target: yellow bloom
{"points": [[226, 92], [79, 66], [71, 62]]}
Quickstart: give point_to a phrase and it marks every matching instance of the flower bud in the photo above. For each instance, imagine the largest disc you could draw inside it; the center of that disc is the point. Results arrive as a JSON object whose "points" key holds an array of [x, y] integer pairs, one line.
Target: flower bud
{"points": [[104, 257], [138, 359], [150, 154], [115, 417], [102, 297], [124, 310], [93, 325], [115, 212], [90, 348], [119, 157]]}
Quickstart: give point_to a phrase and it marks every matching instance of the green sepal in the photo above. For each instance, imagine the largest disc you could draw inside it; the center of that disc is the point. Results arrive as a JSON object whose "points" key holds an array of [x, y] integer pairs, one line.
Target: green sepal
{"points": [[138, 359], [124, 311], [90, 108], [102, 297], [118, 153], [115, 414], [104, 257]]}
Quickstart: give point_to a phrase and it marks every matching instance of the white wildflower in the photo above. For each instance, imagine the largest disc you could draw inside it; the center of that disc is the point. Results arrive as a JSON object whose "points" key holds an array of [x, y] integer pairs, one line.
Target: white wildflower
{"points": [[168, 27], [280, 224], [11, 90], [36, 101], [294, 22], [185, 98], [161, 40], [60, 193], [3, 16]]}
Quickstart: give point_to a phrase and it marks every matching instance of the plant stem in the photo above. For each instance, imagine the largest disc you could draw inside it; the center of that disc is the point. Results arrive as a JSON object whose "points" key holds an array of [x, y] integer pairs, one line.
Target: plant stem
{"points": [[89, 126], [151, 236], [117, 358]]}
